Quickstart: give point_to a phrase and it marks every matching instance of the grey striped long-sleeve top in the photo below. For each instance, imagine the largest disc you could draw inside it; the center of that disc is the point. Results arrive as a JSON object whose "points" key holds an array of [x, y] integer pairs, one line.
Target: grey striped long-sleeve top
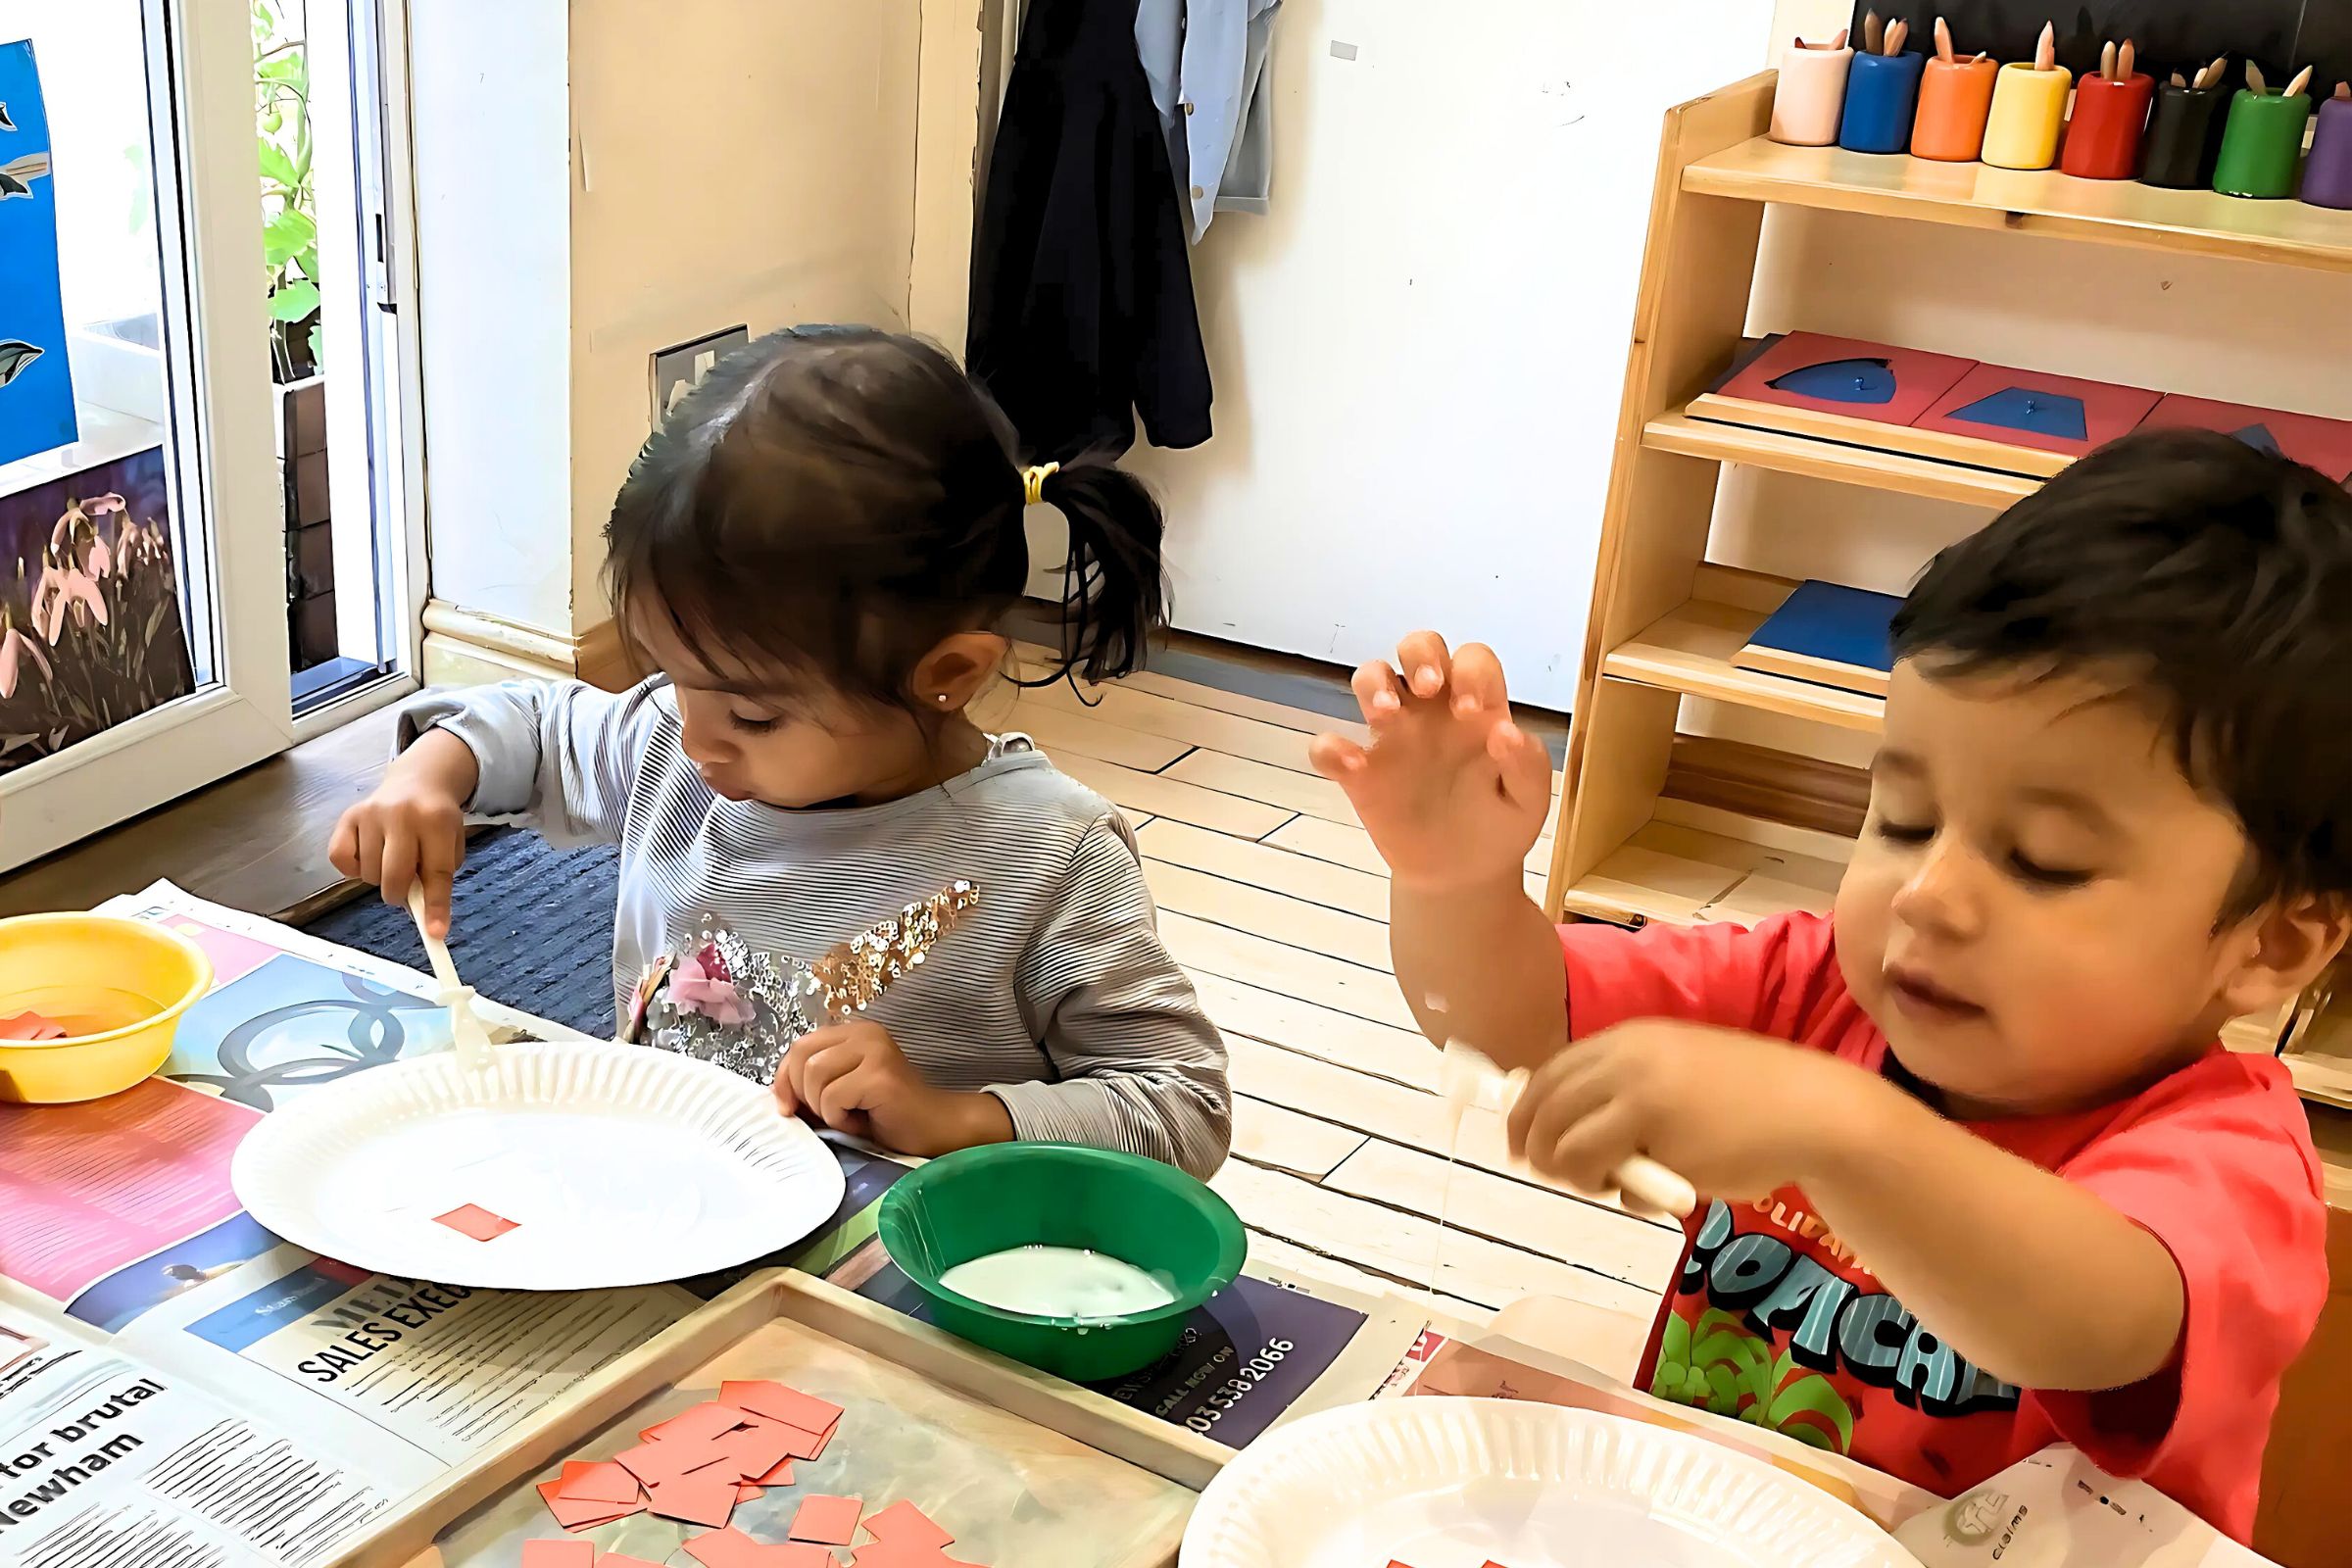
{"points": [[1055, 994]]}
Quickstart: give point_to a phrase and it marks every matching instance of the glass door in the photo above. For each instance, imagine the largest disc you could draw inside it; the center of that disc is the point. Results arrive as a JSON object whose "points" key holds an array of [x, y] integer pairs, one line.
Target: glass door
{"points": [[143, 562]]}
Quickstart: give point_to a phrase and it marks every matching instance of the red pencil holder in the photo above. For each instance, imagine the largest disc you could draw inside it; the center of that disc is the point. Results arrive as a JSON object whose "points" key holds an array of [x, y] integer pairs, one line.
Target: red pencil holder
{"points": [[2103, 139]]}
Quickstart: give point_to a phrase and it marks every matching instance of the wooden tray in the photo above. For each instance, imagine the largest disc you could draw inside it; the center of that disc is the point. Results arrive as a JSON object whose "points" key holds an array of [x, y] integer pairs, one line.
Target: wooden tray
{"points": [[1033, 1470]]}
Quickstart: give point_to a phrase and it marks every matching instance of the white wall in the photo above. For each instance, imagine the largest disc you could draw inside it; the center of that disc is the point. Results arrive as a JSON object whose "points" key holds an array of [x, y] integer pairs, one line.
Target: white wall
{"points": [[1418, 354], [735, 163], [595, 184], [488, 114]]}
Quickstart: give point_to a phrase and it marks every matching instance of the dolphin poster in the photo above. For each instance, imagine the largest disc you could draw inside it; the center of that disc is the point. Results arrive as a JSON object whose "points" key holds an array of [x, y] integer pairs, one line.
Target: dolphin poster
{"points": [[36, 385]]}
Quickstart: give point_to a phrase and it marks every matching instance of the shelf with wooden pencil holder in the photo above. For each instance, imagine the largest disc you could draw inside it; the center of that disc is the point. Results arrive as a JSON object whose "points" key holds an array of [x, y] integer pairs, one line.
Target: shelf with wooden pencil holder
{"points": [[1644, 833]]}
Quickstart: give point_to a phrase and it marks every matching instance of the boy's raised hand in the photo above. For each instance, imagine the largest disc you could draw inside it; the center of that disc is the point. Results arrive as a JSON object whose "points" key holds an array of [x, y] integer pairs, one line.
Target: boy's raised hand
{"points": [[1452, 791]]}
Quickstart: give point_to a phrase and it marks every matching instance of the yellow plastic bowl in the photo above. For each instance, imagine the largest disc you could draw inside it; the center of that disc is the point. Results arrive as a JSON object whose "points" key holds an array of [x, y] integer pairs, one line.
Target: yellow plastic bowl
{"points": [[118, 986]]}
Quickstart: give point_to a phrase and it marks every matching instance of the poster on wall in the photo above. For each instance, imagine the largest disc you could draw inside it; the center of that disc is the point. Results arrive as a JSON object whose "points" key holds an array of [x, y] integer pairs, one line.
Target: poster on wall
{"points": [[36, 386], [90, 626]]}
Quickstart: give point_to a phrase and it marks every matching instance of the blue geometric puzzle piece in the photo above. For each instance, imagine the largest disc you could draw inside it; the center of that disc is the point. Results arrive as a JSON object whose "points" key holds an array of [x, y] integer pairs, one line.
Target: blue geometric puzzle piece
{"points": [[2019, 408], [1839, 381], [2259, 437]]}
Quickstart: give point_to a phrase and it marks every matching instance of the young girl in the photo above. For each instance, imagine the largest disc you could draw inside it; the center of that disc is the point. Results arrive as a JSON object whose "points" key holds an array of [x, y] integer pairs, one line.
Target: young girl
{"points": [[813, 552]]}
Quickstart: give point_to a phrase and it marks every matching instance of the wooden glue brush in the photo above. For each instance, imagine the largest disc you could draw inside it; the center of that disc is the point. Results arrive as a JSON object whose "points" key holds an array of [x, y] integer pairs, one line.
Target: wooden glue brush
{"points": [[1469, 1078]]}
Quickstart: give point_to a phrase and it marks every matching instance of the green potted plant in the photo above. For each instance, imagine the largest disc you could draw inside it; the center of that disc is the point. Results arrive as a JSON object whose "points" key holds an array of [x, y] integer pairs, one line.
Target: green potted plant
{"points": [[281, 75]]}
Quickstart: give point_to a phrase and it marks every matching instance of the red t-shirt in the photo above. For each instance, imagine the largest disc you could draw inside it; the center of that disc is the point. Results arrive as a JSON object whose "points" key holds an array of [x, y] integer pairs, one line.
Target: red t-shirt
{"points": [[1770, 1319]]}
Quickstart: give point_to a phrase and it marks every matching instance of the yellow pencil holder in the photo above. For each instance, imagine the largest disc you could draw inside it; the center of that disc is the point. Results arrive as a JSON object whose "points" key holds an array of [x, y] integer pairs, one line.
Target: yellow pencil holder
{"points": [[119, 988], [2029, 110]]}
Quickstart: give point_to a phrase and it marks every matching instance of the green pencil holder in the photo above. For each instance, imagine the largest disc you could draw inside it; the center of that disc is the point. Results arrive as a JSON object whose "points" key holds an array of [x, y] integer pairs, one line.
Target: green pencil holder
{"points": [[2263, 144], [1002, 1196]]}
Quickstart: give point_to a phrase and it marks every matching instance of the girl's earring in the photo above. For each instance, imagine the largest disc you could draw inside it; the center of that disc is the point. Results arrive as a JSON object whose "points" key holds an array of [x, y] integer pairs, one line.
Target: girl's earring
{"points": [[942, 697]]}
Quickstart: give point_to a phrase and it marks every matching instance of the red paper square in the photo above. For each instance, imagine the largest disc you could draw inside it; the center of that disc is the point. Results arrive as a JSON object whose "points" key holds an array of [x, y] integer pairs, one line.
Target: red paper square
{"points": [[655, 1462], [806, 1444], [2108, 411], [755, 1450], [798, 1554], [904, 1524], [898, 1554], [1918, 378], [777, 1402], [2307, 438], [725, 1548], [602, 1482], [700, 1423], [704, 1496], [830, 1520], [477, 1222], [573, 1515], [747, 1491], [780, 1475], [559, 1554]]}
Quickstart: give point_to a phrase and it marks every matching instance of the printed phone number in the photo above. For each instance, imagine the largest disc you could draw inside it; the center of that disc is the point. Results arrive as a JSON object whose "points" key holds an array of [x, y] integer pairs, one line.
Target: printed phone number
{"points": [[1227, 1396]]}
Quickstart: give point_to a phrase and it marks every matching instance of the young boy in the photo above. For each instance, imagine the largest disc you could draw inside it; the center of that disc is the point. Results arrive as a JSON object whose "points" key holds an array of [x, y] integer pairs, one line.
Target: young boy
{"points": [[1976, 1176]]}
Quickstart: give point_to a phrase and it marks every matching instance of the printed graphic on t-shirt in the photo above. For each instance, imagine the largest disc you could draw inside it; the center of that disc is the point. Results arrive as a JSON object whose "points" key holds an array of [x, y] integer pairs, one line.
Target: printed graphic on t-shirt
{"points": [[1774, 1322]]}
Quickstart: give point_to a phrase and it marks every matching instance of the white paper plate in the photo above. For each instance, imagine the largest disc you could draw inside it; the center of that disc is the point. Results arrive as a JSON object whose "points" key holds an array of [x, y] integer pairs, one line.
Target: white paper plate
{"points": [[618, 1165], [1448, 1482]]}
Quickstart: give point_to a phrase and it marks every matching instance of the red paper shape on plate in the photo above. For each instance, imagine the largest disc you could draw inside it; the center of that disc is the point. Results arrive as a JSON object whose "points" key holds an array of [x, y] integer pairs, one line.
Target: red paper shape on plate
{"points": [[2108, 411], [904, 1524], [2307, 438], [601, 1482], [777, 1402], [780, 1475], [559, 1554], [1920, 378], [704, 1496], [475, 1222], [832, 1521]]}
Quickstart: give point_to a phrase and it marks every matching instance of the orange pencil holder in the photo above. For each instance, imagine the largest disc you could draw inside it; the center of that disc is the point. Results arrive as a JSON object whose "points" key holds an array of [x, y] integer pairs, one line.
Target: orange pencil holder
{"points": [[2028, 106], [1954, 97]]}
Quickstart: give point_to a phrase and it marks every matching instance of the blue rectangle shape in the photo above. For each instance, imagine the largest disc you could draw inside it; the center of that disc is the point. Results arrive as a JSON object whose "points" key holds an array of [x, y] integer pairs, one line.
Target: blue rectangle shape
{"points": [[36, 380], [252, 1318], [1830, 622]]}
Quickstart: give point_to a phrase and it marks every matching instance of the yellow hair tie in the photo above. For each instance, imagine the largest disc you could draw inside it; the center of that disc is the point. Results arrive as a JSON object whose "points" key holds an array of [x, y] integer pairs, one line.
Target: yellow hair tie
{"points": [[1033, 480]]}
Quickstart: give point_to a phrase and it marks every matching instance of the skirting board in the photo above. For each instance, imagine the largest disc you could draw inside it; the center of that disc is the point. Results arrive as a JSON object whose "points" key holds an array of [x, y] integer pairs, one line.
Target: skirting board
{"points": [[466, 648]]}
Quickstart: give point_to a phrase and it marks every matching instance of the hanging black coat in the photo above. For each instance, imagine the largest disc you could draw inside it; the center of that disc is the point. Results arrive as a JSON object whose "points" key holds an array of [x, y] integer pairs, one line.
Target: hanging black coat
{"points": [[1082, 293]]}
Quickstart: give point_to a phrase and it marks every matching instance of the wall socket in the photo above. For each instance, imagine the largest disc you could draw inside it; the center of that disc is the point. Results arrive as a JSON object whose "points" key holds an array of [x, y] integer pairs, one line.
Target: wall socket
{"points": [[679, 368]]}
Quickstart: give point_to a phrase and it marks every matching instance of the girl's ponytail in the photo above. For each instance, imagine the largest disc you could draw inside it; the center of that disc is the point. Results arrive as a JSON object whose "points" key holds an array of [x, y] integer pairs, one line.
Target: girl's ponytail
{"points": [[1113, 597]]}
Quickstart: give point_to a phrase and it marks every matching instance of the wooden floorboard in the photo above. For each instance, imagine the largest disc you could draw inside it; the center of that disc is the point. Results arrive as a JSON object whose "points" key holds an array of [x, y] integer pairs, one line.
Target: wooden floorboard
{"points": [[1138, 793], [1335, 887], [1261, 781]]}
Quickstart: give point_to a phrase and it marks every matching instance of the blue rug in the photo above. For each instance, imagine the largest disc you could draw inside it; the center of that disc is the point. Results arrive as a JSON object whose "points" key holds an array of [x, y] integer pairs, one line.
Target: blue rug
{"points": [[533, 928]]}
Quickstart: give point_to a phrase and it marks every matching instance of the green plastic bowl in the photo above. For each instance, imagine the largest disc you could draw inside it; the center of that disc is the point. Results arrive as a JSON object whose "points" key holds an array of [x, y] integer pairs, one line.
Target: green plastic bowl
{"points": [[1001, 1195]]}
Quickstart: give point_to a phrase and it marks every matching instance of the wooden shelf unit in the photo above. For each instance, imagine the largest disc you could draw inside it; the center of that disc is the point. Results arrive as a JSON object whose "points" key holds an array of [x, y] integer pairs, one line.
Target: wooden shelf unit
{"points": [[2120, 212], [1665, 622]]}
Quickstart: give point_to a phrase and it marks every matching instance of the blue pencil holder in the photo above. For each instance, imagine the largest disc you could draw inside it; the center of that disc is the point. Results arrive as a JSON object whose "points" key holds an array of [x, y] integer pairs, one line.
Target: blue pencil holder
{"points": [[1882, 92]]}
